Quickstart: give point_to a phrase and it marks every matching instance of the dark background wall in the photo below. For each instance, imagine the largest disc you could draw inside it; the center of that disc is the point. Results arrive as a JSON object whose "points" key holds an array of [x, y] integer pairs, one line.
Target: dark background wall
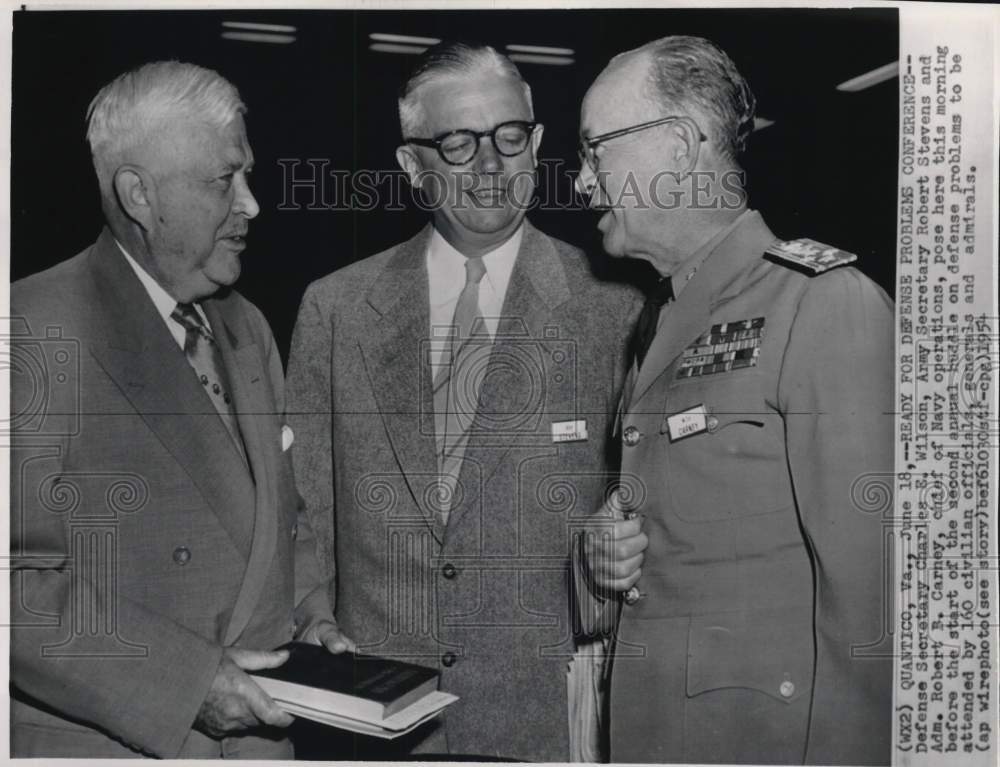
{"points": [[825, 169]]}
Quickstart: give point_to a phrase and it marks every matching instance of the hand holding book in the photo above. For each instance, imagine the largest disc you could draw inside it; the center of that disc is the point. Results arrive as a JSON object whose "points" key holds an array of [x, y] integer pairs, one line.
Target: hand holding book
{"points": [[329, 635], [235, 702], [363, 693]]}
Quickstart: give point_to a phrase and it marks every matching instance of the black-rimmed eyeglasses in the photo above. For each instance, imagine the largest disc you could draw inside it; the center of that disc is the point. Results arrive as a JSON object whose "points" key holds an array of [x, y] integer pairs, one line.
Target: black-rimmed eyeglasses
{"points": [[588, 146], [458, 147]]}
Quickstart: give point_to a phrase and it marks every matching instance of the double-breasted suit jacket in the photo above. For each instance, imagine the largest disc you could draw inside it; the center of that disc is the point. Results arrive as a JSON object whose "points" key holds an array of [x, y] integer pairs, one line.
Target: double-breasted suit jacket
{"points": [[485, 598], [757, 635], [142, 541]]}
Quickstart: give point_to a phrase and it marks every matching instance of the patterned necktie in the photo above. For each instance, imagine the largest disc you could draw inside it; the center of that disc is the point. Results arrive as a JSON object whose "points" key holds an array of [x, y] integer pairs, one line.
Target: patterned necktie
{"points": [[204, 356], [645, 329], [456, 388]]}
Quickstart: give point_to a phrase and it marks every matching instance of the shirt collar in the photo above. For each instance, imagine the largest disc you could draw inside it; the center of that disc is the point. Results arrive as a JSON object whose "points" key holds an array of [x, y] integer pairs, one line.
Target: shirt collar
{"points": [[499, 261], [162, 300]]}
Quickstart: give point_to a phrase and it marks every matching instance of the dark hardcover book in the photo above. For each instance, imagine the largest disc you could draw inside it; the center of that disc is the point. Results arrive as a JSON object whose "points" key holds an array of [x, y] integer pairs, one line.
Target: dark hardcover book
{"points": [[358, 686]]}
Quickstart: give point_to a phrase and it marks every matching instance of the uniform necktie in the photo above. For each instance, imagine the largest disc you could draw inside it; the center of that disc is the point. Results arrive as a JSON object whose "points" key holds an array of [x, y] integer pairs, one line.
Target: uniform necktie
{"points": [[204, 356], [456, 388], [645, 329]]}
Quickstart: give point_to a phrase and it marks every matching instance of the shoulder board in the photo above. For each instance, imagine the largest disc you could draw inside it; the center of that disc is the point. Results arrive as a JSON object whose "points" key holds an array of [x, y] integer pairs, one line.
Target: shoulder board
{"points": [[811, 256]]}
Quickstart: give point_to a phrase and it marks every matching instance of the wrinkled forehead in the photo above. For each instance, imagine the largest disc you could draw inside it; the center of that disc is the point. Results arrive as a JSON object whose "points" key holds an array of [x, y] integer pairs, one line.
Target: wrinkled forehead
{"points": [[478, 101], [190, 142]]}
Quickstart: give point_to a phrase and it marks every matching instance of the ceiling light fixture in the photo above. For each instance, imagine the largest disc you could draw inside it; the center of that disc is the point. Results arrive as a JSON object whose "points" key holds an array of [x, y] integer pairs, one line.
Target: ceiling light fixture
{"points": [[253, 26], [543, 49], [384, 37], [868, 79], [530, 58], [258, 37], [394, 48]]}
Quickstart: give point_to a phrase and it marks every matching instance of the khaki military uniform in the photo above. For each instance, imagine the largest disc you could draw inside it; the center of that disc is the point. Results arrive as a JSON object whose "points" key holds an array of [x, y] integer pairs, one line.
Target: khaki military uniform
{"points": [[764, 402]]}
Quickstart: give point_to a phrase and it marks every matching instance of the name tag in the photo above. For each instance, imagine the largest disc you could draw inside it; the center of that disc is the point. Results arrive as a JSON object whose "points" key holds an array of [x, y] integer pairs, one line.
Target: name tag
{"points": [[687, 423], [569, 431]]}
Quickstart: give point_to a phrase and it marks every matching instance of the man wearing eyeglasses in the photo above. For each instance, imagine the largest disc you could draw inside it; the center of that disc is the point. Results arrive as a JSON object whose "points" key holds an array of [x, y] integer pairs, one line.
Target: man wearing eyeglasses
{"points": [[744, 589], [454, 394]]}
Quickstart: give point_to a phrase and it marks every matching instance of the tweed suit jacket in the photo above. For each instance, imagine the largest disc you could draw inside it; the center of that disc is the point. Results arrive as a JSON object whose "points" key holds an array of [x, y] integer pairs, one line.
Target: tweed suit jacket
{"points": [[759, 637], [486, 598], [142, 542]]}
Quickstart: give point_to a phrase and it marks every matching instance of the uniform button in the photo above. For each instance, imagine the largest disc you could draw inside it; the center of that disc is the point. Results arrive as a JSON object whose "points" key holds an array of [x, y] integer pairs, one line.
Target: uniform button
{"points": [[449, 571], [787, 689], [295, 532], [632, 596], [631, 436], [448, 659], [712, 423], [182, 555]]}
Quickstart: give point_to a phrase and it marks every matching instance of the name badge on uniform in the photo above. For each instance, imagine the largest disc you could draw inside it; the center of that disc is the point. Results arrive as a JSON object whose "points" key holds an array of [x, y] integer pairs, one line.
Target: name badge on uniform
{"points": [[687, 423], [569, 431]]}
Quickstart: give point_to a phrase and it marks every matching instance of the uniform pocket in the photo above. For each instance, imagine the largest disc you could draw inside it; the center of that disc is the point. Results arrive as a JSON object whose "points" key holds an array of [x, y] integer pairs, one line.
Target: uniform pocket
{"points": [[770, 651], [737, 466]]}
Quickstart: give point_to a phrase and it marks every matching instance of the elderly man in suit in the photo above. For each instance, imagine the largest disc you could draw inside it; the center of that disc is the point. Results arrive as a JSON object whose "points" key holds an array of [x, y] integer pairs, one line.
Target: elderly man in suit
{"points": [[760, 395], [154, 509], [452, 396]]}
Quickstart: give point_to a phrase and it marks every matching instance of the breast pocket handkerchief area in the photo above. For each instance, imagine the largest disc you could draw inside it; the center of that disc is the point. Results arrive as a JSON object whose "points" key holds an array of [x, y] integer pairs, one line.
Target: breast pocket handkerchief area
{"points": [[287, 437]]}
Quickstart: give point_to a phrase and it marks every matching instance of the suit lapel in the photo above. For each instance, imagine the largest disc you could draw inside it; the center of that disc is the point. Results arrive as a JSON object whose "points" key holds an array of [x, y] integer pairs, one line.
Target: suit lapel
{"points": [[397, 361], [146, 363], [537, 287], [688, 317], [253, 403]]}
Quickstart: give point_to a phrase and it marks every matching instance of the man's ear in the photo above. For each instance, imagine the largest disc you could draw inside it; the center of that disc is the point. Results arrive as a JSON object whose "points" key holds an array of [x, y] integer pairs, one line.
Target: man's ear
{"points": [[686, 146], [133, 190], [536, 142], [410, 163]]}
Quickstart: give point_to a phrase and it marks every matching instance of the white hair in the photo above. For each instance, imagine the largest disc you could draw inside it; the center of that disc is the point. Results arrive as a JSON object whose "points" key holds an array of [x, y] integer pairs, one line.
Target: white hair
{"points": [[131, 108], [452, 60]]}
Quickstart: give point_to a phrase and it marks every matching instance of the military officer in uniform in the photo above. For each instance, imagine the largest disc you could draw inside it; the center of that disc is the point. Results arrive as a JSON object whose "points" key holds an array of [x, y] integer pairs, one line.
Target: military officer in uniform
{"points": [[759, 397]]}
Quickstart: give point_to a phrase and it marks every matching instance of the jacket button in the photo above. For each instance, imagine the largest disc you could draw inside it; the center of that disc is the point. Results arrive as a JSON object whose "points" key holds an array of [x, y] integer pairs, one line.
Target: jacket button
{"points": [[295, 532], [182, 555], [787, 689], [448, 659], [631, 436], [712, 423], [449, 571]]}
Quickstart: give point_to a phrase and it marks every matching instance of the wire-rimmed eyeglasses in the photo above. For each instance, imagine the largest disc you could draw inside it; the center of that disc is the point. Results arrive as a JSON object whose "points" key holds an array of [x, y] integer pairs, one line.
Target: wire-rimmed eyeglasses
{"points": [[458, 147], [587, 148]]}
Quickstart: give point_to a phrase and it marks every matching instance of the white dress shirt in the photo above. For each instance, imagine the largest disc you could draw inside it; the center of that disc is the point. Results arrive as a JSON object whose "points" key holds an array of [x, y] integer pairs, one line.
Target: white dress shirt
{"points": [[162, 300], [446, 279]]}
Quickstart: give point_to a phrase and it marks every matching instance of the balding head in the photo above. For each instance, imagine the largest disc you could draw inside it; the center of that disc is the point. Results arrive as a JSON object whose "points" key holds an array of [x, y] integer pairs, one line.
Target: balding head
{"points": [[693, 76]]}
